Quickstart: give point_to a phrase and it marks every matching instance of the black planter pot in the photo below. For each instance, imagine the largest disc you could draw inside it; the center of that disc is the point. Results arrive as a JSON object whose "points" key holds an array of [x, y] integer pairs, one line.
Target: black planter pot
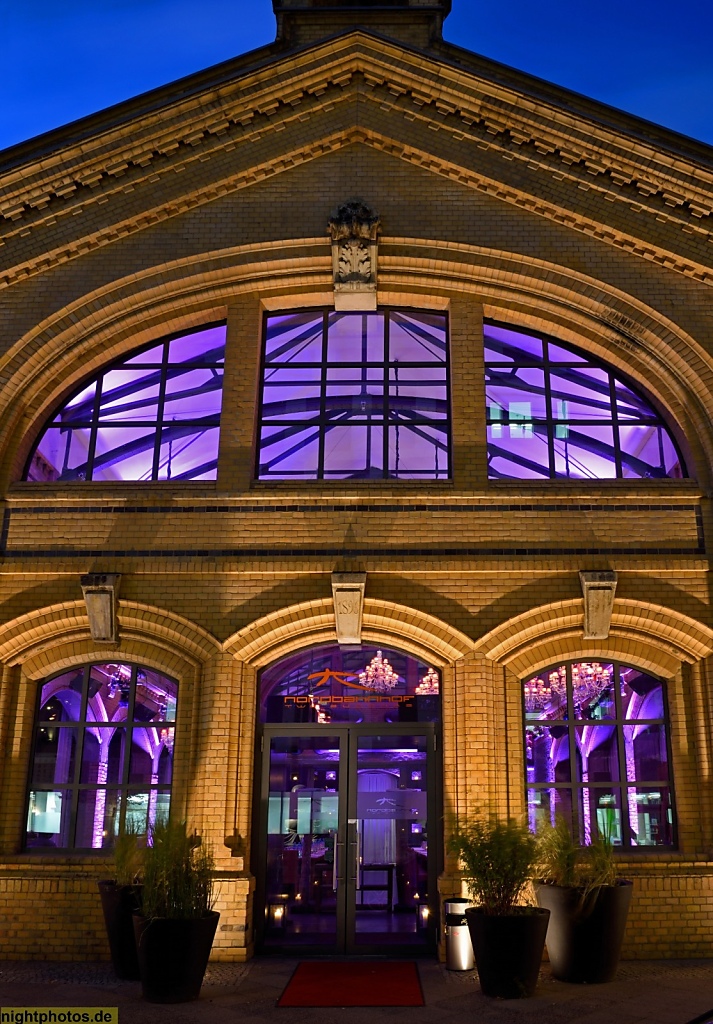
{"points": [[173, 956], [586, 930], [508, 950], [118, 904]]}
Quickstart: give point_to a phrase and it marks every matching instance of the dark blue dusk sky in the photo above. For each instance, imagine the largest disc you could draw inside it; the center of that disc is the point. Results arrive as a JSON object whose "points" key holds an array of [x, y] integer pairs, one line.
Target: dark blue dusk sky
{"points": [[63, 60]]}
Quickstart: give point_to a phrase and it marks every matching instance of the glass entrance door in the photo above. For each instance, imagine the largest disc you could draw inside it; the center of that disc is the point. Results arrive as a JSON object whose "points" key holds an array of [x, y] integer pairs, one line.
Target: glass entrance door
{"points": [[302, 872], [345, 862]]}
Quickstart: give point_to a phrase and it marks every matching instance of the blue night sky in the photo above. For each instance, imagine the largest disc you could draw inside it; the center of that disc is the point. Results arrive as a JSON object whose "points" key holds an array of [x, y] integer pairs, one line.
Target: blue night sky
{"points": [[61, 61]]}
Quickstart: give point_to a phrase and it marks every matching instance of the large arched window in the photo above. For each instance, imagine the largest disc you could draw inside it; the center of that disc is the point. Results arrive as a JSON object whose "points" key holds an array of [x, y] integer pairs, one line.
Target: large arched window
{"points": [[102, 755], [597, 752], [355, 396], [555, 412], [153, 416]]}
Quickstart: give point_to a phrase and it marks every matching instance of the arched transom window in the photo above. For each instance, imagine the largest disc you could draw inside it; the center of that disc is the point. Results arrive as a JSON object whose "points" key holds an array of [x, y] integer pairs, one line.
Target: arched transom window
{"points": [[357, 396], [597, 752], [153, 416], [554, 412], [102, 755]]}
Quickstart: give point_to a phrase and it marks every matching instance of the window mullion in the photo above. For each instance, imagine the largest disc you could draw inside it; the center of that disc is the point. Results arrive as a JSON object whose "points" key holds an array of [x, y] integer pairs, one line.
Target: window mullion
{"points": [[94, 429], [322, 430], [549, 412], [159, 412], [615, 427]]}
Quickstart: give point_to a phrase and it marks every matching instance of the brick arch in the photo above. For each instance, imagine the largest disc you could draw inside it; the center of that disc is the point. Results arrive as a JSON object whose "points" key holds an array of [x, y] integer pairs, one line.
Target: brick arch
{"points": [[108, 322], [58, 635], [650, 635], [312, 622]]}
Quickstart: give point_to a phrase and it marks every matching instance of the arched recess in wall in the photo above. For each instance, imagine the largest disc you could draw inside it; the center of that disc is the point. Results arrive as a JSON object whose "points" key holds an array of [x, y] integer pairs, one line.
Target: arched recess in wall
{"points": [[49, 640], [58, 636], [46, 363], [651, 638], [656, 638], [311, 623]]}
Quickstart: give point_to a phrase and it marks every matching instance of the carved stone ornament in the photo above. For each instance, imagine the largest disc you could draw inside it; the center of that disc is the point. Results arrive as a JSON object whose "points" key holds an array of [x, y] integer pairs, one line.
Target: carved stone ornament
{"points": [[354, 228], [348, 594], [100, 592], [598, 590]]}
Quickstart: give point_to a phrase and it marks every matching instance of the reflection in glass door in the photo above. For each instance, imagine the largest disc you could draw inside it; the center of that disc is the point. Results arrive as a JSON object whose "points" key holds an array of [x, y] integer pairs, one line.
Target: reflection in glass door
{"points": [[391, 886], [346, 865], [343, 857], [302, 870]]}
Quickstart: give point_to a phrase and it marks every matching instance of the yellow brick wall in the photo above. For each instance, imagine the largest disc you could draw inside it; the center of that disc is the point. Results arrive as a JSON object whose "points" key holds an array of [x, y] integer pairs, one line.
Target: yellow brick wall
{"points": [[218, 579]]}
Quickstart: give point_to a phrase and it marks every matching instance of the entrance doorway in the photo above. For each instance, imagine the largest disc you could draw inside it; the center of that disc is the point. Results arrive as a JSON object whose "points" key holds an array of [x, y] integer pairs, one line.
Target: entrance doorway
{"points": [[345, 856]]}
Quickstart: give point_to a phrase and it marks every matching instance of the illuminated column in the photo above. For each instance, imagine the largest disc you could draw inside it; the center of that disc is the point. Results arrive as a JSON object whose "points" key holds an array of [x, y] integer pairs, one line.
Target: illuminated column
{"points": [[155, 759], [100, 800]]}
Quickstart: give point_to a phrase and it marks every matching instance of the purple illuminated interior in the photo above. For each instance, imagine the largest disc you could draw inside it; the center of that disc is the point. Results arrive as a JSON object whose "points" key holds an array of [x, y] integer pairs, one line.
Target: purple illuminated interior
{"points": [[103, 755], [318, 772], [355, 396], [554, 412], [153, 416], [596, 742], [357, 684]]}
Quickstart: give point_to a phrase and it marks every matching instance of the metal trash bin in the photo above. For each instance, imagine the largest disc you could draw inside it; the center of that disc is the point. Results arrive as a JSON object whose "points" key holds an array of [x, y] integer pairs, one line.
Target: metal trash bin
{"points": [[459, 949]]}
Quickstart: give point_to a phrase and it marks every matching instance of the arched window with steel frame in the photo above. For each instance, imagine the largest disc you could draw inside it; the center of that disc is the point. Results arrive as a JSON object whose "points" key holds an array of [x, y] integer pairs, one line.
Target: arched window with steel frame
{"points": [[555, 412], [154, 415], [354, 396], [597, 752], [102, 755]]}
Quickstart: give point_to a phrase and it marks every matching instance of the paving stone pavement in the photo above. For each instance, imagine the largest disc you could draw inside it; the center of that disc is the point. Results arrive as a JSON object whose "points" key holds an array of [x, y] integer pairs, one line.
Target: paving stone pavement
{"points": [[645, 992]]}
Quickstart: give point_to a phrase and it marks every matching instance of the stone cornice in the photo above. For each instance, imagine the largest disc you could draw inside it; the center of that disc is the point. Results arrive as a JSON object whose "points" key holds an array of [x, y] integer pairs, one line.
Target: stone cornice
{"points": [[431, 86], [259, 172], [401, 84]]}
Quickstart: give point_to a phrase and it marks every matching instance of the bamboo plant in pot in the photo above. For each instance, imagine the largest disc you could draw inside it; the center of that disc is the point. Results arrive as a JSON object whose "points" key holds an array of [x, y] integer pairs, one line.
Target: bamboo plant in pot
{"points": [[120, 897], [588, 905], [176, 927], [498, 857]]}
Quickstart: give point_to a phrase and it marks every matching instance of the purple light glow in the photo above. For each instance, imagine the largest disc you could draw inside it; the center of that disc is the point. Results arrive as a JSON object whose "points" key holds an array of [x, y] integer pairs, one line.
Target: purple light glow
{"points": [[593, 732], [91, 766], [154, 416], [555, 413], [355, 396], [338, 681]]}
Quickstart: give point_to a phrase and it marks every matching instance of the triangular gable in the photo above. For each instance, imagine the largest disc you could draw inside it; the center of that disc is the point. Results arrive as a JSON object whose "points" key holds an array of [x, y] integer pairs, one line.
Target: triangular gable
{"points": [[493, 138]]}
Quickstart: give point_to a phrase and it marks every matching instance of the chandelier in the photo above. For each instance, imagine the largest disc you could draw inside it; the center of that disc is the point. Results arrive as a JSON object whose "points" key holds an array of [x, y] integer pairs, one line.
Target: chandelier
{"points": [[589, 681], [166, 737], [378, 675], [537, 693], [428, 684]]}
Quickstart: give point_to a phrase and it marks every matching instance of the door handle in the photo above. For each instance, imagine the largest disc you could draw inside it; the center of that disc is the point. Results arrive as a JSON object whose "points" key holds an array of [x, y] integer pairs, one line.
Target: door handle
{"points": [[335, 867], [353, 834]]}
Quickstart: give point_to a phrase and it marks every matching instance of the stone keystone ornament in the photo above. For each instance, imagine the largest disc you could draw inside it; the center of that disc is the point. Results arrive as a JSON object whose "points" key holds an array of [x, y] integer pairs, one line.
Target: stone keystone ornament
{"points": [[354, 228]]}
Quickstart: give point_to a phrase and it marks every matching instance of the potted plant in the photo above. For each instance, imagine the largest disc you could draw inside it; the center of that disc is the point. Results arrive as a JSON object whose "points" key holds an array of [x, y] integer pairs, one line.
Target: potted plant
{"points": [[120, 897], [176, 926], [498, 857], [588, 905]]}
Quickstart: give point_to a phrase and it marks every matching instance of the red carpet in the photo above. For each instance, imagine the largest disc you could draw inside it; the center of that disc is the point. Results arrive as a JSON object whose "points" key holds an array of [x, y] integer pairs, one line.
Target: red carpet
{"points": [[325, 983]]}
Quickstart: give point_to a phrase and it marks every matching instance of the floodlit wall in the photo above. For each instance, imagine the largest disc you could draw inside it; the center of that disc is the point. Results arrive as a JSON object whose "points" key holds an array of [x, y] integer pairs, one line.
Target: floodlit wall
{"points": [[219, 579]]}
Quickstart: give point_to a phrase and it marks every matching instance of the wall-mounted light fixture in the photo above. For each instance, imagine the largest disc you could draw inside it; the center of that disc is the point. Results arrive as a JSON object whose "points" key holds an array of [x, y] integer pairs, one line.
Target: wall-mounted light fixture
{"points": [[100, 592]]}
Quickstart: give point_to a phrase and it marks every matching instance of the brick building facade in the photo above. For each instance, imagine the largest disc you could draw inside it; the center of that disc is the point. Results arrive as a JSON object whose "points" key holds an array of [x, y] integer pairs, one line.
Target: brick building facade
{"points": [[502, 201]]}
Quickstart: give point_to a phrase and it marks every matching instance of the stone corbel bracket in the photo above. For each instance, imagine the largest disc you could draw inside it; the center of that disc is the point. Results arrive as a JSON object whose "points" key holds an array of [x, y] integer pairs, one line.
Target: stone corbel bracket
{"points": [[354, 230], [598, 590], [348, 594], [100, 592]]}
